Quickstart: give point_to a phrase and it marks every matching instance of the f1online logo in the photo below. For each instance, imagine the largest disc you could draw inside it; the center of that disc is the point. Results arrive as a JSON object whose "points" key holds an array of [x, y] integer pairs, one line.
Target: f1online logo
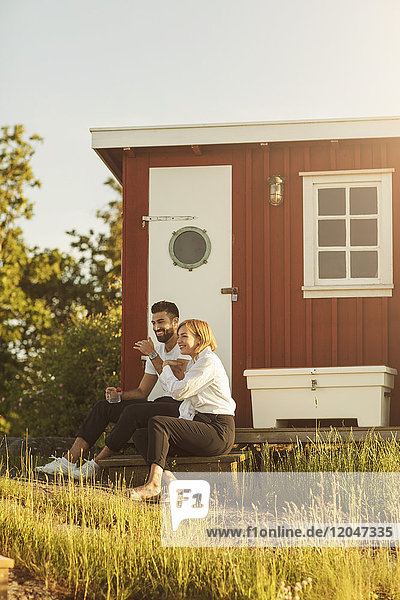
{"points": [[189, 499]]}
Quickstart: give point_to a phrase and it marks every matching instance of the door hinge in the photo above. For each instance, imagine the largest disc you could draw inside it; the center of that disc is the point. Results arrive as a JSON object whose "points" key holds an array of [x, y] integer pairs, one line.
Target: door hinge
{"points": [[166, 218]]}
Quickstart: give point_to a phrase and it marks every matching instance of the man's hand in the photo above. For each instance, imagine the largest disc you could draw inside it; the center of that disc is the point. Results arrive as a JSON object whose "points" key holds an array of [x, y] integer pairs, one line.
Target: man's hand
{"points": [[178, 367], [109, 391], [145, 346]]}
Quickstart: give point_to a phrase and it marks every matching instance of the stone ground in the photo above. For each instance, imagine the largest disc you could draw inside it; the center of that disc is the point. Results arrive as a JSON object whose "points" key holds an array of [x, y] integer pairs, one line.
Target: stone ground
{"points": [[22, 586]]}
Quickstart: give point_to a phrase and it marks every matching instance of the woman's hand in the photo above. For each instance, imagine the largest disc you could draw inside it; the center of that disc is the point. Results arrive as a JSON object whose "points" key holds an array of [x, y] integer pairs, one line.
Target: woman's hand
{"points": [[178, 367]]}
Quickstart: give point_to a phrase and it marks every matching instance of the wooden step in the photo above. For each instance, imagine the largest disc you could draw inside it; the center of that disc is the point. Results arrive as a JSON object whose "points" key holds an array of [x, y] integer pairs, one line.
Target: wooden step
{"points": [[134, 469], [5, 565]]}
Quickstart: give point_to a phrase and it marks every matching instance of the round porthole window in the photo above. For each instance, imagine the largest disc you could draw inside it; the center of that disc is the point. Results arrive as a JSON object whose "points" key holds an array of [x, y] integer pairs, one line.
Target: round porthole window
{"points": [[189, 247]]}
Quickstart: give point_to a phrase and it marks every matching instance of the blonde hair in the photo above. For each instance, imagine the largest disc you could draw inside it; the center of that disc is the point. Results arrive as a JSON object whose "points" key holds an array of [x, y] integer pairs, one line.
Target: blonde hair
{"points": [[203, 331]]}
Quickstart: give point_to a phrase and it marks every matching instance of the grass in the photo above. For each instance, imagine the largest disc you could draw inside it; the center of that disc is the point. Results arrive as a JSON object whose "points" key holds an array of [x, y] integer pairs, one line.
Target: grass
{"points": [[98, 545]]}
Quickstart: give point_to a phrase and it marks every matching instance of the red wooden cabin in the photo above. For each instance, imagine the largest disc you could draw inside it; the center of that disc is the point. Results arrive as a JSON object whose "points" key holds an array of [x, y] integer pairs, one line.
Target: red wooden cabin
{"points": [[313, 254]]}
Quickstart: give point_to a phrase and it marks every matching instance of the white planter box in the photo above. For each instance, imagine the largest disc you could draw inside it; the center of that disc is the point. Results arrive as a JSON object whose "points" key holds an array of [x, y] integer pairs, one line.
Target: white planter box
{"points": [[361, 393]]}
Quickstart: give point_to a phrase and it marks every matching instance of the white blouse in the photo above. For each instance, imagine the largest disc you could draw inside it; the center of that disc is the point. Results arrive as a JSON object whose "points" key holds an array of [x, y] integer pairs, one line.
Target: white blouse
{"points": [[204, 389]]}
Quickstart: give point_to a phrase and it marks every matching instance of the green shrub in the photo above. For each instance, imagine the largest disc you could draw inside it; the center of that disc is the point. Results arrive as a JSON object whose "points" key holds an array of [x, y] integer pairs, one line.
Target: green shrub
{"points": [[56, 391]]}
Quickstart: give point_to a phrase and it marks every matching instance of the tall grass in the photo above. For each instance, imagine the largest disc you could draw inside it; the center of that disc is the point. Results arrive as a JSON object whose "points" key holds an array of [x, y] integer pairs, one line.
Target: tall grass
{"points": [[99, 545], [374, 454]]}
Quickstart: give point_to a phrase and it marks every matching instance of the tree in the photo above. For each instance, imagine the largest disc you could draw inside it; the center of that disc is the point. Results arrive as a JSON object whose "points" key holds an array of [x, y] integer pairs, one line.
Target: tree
{"points": [[15, 175], [100, 255], [112, 216], [16, 308], [39, 289], [28, 276], [60, 385], [45, 292]]}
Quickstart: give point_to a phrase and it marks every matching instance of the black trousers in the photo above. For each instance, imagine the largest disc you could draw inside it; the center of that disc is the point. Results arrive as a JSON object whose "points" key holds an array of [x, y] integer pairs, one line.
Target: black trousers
{"points": [[206, 435], [128, 415]]}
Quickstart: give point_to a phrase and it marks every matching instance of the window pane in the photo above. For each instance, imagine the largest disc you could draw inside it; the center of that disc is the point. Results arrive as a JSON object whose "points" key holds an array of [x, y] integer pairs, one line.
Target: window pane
{"points": [[363, 201], [189, 247], [332, 265], [363, 232], [332, 201], [332, 233], [364, 264]]}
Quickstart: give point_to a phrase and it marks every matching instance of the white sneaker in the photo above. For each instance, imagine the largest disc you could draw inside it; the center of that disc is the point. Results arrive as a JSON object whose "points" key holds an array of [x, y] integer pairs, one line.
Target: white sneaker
{"points": [[89, 470], [58, 465]]}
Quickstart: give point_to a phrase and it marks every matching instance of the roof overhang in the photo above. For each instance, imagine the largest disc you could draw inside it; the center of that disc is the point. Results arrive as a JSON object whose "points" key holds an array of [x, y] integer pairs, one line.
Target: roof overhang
{"points": [[107, 139]]}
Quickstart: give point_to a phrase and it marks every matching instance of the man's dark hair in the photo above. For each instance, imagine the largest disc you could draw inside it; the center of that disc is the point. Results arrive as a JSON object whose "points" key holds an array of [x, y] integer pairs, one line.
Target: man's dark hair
{"points": [[169, 307]]}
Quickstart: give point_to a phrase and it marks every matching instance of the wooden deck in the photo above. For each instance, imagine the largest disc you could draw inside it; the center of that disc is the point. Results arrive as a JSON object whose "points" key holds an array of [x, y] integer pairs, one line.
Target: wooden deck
{"points": [[131, 466], [133, 469], [288, 435]]}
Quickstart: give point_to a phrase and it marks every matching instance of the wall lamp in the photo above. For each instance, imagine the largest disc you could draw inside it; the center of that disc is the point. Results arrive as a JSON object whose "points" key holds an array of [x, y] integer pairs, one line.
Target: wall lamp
{"points": [[276, 187]]}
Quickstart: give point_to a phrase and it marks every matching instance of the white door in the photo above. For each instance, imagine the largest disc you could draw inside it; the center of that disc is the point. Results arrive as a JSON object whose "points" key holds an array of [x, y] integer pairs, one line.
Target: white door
{"points": [[205, 193]]}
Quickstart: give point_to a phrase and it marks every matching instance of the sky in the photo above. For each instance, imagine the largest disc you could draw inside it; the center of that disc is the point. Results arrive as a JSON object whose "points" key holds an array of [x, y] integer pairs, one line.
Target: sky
{"points": [[69, 65]]}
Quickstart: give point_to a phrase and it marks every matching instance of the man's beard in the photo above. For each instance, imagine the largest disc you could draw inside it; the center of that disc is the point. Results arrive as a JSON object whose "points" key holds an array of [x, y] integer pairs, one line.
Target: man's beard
{"points": [[166, 335]]}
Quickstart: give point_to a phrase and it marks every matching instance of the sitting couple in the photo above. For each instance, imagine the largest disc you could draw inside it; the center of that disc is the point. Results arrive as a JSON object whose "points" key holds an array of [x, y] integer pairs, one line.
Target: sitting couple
{"points": [[194, 417]]}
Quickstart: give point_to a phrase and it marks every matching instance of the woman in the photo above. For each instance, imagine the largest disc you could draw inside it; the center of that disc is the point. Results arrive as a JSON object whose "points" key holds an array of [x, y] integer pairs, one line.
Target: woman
{"points": [[205, 426]]}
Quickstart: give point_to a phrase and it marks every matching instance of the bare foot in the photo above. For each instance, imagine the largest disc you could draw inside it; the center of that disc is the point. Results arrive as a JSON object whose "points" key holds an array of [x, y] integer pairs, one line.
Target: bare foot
{"points": [[168, 476], [144, 491]]}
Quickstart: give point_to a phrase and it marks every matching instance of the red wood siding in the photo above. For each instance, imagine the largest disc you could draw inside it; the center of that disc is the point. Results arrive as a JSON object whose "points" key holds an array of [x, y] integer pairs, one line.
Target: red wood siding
{"points": [[273, 325], [134, 265], [300, 332]]}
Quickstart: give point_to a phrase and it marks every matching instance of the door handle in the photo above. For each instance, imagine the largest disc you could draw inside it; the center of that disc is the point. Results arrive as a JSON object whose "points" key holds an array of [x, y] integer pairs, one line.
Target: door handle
{"points": [[233, 291]]}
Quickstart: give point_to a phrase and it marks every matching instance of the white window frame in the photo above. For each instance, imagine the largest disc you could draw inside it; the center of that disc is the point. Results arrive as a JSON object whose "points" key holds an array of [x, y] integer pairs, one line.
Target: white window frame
{"points": [[341, 288]]}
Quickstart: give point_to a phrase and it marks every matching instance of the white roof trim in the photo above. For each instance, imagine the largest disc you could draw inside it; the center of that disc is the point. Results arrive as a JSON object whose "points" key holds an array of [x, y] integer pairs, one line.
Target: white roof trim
{"points": [[239, 133], [346, 172]]}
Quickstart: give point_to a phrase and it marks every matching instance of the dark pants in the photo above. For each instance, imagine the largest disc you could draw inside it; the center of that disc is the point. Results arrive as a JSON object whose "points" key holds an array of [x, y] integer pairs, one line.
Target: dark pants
{"points": [[128, 416], [206, 435]]}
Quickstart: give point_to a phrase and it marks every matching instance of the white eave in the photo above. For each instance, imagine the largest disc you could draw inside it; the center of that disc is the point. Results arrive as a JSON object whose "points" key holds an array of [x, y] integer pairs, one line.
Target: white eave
{"points": [[240, 133]]}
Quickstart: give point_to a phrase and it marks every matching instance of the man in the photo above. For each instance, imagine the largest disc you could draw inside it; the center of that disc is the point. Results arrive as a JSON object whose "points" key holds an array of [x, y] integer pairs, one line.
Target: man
{"points": [[134, 407]]}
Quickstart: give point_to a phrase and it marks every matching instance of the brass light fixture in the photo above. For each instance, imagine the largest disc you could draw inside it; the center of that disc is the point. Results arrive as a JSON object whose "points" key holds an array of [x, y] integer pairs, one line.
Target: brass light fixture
{"points": [[276, 186]]}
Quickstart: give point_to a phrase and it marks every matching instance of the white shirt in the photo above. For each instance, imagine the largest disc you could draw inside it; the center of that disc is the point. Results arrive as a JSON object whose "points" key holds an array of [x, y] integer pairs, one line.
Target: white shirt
{"points": [[173, 354], [204, 389]]}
